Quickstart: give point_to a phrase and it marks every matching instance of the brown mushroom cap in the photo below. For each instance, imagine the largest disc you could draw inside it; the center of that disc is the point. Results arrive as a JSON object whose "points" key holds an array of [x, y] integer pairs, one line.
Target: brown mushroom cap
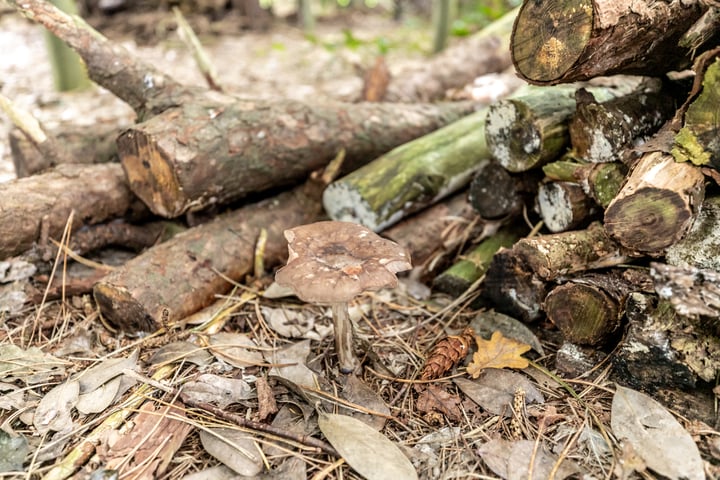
{"points": [[331, 262]]}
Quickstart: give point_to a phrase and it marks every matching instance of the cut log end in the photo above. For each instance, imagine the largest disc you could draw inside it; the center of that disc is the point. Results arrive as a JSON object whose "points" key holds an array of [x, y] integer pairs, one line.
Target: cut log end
{"points": [[650, 221], [345, 204], [584, 314], [150, 175], [548, 40]]}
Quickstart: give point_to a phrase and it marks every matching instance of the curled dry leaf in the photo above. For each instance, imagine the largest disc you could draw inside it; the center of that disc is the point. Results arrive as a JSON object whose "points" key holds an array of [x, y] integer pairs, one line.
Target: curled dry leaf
{"points": [[664, 445], [54, 412], [288, 323], [368, 452], [94, 377], [181, 352], [358, 393], [498, 352], [511, 461], [447, 353], [435, 400], [209, 388], [290, 364], [31, 366], [495, 388], [236, 449], [96, 401]]}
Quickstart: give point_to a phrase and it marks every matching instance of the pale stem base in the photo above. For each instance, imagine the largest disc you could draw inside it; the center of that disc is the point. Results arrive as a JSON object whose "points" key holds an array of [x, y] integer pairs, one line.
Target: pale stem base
{"points": [[344, 338]]}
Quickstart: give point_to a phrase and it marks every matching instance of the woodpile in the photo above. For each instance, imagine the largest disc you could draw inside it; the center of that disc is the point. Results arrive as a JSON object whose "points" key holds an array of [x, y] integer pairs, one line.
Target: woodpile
{"points": [[621, 172]]}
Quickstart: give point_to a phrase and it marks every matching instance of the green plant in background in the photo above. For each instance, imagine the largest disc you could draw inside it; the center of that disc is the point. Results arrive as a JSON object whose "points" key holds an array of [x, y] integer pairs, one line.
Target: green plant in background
{"points": [[68, 70]]}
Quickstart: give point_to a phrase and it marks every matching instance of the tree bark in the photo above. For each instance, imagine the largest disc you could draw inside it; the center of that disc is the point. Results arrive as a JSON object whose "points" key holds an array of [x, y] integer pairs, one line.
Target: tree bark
{"points": [[531, 128], [485, 52], [35, 207], [176, 278], [496, 193], [656, 206], [218, 149], [564, 206], [410, 177], [571, 40], [697, 141], [691, 291], [601, 132]]}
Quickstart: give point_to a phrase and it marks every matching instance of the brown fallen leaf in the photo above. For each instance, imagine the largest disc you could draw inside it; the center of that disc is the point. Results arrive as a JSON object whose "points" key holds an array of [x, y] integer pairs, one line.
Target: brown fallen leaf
{"points": [[436, 400], [498, 352], [447, 353], [376, 81], [266, 399]]}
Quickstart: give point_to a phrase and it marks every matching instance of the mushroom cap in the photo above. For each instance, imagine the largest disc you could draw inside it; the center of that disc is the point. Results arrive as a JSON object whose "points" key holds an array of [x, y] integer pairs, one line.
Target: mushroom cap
{"points": [[332, 262]]}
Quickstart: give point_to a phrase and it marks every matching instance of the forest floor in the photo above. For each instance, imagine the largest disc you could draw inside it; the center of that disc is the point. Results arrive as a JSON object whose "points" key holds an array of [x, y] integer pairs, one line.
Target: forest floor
{"points": [[521, 423]]}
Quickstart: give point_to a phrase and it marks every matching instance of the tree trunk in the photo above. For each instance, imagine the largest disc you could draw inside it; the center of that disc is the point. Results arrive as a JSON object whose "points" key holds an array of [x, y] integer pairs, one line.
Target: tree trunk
{"points": [[410, 177], [176, 278], [207, 152], [39, 206], [601, 132], [657, 205], [572, 40]]}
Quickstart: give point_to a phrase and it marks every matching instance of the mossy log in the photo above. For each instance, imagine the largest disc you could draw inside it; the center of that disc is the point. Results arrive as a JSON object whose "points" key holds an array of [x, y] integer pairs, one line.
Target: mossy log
{"points": [[411, 176], [217, 149], [697, 141], [663, 348], [656, 206], [496, 193], [571, 40], [473, 265], [564, 206], [176, 278], [588, 309], [600, 181], [531, 128], [602, 131], [37, 207], [516, 281]]}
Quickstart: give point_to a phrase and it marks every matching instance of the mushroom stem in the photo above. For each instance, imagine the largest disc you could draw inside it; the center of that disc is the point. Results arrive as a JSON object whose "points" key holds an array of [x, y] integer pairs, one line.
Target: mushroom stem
{"points": [[344, 337]]}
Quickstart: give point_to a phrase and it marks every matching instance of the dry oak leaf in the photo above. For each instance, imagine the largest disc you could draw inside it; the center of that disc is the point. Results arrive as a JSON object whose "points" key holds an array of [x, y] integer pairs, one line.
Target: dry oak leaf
{"points": [[498, 352]]}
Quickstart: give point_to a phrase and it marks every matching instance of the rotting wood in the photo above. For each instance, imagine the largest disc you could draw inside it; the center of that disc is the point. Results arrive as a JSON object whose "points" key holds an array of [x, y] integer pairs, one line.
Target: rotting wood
{"points": [[411, 176], [572, 40], [496, 193], [42, 203], [605, 131], [485, 52], [176, 278], [217, 149], [664, 349], [588, 309], [656, 206]]}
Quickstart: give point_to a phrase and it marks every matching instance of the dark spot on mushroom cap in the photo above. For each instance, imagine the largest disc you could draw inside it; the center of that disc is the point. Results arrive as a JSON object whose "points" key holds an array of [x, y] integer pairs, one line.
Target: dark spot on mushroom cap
{"points": [[331, 262]]}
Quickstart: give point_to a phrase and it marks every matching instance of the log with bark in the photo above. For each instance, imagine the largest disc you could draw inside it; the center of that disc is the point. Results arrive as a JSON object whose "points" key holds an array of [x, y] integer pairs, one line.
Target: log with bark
{"points": [[516, 281], [656, 206], [410, 177], [496, 193], [216, 149], [691, 291], [600, 181], [700, 248], [570, 40], [564, 206], [531, 128], [174, 279], [604, 132], [35, 208], [484, 52], [697, 141]]}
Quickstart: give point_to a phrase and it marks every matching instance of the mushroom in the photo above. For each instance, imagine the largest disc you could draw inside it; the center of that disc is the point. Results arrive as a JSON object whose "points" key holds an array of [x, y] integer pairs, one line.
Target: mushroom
{"points": [[331, 262]]}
